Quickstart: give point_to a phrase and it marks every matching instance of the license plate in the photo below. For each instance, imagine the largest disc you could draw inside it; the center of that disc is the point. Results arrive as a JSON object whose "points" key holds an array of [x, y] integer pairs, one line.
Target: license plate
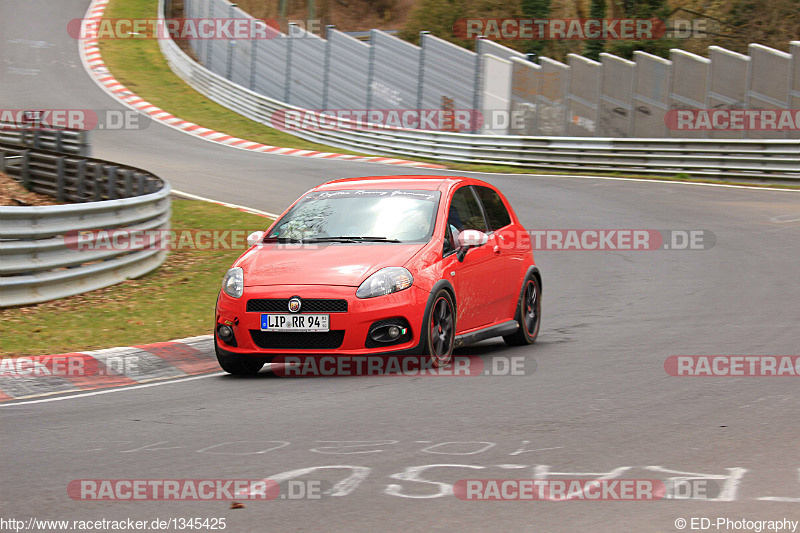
{"points": [[295, 323]]}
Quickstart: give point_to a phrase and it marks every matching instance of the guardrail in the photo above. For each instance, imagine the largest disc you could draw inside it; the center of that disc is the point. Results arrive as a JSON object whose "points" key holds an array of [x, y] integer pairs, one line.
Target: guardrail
{"points": [[56, 140], [38, 262], [715, 158]]}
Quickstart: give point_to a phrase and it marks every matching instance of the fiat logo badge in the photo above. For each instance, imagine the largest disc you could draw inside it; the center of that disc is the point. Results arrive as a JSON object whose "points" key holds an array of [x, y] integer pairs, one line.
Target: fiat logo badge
{"points": [[295, 304]]}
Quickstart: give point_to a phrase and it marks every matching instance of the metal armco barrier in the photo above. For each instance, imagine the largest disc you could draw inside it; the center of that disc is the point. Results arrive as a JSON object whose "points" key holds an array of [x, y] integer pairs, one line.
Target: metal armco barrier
{"points": [[65, 141], [36, 263]]}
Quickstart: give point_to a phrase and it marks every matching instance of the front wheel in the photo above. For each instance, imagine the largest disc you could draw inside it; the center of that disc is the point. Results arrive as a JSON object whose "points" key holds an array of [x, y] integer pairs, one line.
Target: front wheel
{"points": [[529, 314], [238, 365], [441, 329]]}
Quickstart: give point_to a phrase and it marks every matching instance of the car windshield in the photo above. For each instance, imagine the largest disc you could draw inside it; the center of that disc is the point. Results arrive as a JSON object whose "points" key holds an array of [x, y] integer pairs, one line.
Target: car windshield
{"points": [[360, 216]]}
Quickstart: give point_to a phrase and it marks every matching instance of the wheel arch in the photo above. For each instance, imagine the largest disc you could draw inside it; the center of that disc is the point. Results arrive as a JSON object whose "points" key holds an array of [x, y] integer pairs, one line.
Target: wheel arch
{"points": [[439, 285], [533, 270]]}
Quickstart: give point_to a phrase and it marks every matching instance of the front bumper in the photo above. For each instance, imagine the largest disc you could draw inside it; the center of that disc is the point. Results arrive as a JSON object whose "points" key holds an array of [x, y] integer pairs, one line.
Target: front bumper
{"points": [[348, 330]]}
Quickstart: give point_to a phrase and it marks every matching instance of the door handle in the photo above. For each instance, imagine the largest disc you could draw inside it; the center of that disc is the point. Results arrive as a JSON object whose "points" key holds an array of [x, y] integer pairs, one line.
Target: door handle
{"points": [[497, 250]]}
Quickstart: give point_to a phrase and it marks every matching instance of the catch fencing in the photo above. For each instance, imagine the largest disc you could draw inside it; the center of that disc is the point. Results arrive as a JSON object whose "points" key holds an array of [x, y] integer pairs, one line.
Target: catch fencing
{"points": [[581, 98], [720, 159]]}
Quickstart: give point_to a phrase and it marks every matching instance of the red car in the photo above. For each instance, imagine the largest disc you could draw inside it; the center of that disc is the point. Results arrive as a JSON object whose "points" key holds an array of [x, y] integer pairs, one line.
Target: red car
{"points": [[391, 264]]}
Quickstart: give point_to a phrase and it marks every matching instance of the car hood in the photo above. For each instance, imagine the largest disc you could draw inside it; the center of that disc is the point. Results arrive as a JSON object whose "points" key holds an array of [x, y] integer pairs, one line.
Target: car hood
{"points": [[326, 264]]}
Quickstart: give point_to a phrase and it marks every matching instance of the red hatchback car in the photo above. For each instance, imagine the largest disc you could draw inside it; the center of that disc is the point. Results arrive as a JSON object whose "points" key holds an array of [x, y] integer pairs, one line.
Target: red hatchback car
{"points": [[376, 265]]}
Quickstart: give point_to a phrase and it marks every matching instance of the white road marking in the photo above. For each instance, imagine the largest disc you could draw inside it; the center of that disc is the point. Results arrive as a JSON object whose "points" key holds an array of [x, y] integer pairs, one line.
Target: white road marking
{"points": [[226, 204], [109, 391], [781, 219]]}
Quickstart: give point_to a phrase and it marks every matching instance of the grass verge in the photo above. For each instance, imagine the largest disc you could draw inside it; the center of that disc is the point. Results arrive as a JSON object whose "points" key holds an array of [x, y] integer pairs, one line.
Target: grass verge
{"points": [[139, 65], [174, 301]]}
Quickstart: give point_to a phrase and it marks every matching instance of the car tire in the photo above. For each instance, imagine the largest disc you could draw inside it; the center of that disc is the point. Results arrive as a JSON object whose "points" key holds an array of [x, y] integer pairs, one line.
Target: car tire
{"points": [[238, 365], [440, 331], [529, 314]]}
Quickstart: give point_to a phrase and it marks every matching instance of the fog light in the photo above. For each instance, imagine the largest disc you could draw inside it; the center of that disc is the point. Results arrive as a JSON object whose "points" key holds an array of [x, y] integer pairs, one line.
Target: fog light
{"points": [[387, 332], [225, 332]]}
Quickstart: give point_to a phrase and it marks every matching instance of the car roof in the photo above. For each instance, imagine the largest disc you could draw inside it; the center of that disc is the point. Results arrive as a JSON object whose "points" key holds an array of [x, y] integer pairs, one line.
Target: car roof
{"points": [[430, 183]]}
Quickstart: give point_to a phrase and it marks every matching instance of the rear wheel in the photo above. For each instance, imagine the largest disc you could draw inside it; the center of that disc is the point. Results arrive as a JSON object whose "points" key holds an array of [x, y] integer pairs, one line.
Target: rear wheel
{"points": [[238, 365], [529, 314], [441, 330]]}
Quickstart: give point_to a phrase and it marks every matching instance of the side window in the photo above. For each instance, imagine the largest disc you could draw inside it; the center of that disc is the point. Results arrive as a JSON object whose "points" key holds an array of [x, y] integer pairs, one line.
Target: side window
{"points": [[465, 212], [496, 211]]}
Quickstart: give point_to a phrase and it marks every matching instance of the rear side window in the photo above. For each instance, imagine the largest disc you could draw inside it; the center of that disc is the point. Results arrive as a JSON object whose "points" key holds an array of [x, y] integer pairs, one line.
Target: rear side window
{"points": [[493, 205]]}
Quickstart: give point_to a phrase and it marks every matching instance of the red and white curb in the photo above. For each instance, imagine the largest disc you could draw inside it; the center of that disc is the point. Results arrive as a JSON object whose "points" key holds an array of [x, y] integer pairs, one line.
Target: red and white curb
{"points": [[37, 376], [93, 62]]}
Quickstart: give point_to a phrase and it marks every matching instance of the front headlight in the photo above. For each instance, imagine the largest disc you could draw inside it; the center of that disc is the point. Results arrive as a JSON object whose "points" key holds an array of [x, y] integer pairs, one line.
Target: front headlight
{"points": [[385, 281], [233, 282]]}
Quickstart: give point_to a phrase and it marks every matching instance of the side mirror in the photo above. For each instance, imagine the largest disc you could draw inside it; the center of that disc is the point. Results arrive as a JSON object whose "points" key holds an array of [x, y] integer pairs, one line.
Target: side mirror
{"points": [[470, 238], [254, 238]]}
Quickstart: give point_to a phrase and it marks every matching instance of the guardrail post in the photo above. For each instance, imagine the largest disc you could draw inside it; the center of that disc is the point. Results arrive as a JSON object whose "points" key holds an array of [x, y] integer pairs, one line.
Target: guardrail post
{"points": [[111, 186], [253, 53], [231, 48], [477, 98], [326, 67], [59, 139], [60, 179], [82, 146], [370, 68], [26, 138], [209, 41], [98, 179], [286, 91], [128, 183], [24, 172], [81, 180], [421, 77]]}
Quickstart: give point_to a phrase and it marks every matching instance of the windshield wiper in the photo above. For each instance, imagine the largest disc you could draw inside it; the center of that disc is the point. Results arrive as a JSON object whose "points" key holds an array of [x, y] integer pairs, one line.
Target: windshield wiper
{"points": [[283, 239], [351, 239]]}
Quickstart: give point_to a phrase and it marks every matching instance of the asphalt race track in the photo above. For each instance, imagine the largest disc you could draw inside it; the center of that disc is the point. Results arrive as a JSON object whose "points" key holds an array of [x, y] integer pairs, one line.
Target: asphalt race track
{"points": [[595, 398]]}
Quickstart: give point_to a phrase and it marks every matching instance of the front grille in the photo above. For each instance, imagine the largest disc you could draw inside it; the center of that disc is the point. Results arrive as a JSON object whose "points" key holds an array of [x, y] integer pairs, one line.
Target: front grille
{"points": [[329, 340], [310, 305]]}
